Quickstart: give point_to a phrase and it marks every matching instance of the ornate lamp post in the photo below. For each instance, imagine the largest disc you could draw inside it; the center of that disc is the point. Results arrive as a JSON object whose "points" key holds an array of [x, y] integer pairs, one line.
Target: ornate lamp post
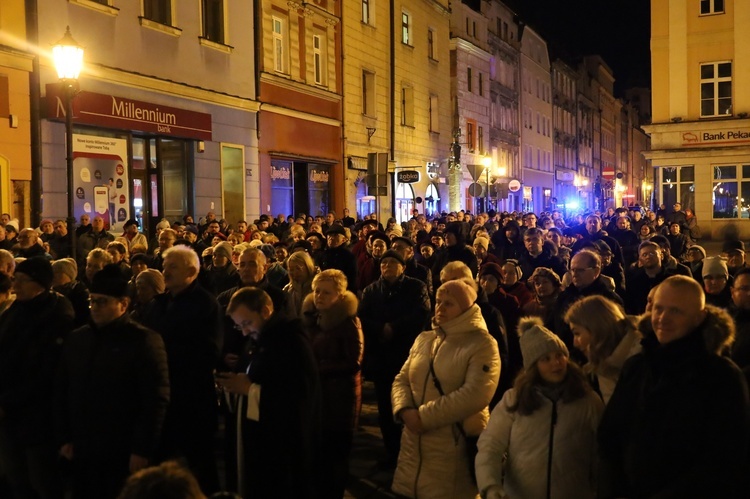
{"points": [[68, 58]]}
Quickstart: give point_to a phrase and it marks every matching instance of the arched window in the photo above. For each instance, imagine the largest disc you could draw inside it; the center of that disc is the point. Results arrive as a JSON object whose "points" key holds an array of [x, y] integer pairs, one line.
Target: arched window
{"points": [[404, 202]]}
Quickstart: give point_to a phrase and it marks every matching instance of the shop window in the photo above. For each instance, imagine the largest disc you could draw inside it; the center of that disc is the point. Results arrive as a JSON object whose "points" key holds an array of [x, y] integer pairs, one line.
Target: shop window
{"points": [[678, 186], [282, 188], [404, 202], [730, 194]]}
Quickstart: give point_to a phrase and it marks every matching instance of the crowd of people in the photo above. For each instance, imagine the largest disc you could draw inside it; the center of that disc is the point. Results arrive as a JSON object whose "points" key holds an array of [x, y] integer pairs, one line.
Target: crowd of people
{"points": [[511, 354]]}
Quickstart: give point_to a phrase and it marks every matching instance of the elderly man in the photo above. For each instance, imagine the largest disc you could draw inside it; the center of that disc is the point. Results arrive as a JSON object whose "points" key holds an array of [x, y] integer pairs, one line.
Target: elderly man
{"points": [[337, 256], [7, 262], [189, 320], [680, 410], [393, 310], [29, 245], [166, 240], [126, 366], [32, 332], [97, 237], [59, 244]]}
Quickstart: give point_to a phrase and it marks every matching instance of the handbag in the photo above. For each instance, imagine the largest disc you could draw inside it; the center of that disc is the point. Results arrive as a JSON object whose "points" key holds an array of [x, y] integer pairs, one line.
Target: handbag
{"points": [[471, 441]]}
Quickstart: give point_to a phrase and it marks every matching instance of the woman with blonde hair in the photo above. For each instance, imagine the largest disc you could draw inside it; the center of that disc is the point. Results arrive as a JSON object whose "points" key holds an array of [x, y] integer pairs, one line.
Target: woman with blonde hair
{"points": [[330, 318], [441, 395], [301, 270], [606, 336]]}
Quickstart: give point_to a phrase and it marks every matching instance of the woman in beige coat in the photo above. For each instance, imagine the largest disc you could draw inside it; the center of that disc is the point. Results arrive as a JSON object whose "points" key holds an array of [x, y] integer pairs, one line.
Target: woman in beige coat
{"points": [[433, 461]]}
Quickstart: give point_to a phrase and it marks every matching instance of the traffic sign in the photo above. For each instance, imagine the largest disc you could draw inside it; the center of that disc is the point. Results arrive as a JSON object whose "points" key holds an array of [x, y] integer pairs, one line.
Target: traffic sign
{"points": [[514, 185], [476, 190]]}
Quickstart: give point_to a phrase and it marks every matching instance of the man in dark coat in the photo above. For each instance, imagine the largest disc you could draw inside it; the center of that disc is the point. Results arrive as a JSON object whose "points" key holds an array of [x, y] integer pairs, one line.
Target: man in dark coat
{"points": [[456, 251], [277, 400], [189, 320], [116, 432], [337, 256], [594, 232], [740, 311], [680, 410], [537, 255], [413, 269], [647, 275], [97, 237], [393, 310], [32, 333]]}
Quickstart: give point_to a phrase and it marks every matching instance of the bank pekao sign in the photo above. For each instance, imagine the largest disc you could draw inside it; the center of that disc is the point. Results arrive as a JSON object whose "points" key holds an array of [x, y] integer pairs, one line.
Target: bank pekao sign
{"points": [[407, 176], [716, 137]]}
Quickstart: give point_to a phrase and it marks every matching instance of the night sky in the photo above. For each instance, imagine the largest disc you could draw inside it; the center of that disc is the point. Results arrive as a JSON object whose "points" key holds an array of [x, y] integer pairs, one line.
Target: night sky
{"points": [[618, 30]]}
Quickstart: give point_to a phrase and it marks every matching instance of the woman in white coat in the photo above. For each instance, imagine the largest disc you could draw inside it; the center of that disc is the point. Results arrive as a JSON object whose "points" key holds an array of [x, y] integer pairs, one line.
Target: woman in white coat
{"points": [[441, 396], [606, 336], [541, 438]]}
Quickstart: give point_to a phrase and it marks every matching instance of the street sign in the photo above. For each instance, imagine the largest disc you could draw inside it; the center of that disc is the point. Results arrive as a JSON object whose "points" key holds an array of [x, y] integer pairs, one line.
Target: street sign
{"points": [[407, 176], [514, 185], [476, 190]]}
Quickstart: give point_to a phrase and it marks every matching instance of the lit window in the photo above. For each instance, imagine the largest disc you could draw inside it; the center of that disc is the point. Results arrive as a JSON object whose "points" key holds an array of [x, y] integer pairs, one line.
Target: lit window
{"points": [[406, 28], [319, 59], [712, 6], [366, 11], [716, 89], [280, 64], [213, 20]]}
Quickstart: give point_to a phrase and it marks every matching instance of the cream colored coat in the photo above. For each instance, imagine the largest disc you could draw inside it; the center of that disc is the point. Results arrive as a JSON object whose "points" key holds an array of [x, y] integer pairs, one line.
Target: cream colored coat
{"points": [[434, 465], [526, 440]]}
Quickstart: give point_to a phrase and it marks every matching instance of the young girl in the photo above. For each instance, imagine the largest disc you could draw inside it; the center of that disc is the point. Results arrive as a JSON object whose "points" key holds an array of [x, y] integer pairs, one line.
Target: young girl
{"points": [[546, 424]]}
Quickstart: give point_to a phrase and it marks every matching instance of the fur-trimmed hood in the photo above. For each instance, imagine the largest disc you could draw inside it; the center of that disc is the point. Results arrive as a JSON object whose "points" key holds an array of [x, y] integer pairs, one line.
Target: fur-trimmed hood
{"points": [[344, 309], [717, 329]]}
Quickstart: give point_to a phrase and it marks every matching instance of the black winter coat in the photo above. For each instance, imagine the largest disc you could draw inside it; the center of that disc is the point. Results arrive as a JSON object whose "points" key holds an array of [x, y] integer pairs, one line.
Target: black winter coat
{"points": [[545, 259], [32, 334], [677, 423], [125, 365]]}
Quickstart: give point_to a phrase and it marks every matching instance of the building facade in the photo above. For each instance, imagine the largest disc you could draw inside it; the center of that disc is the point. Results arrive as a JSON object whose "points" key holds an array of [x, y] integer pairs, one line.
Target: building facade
{"points": [[700, 132], [536, 117], [16, 65], [565, 142], [397, 103], [164, 123]]}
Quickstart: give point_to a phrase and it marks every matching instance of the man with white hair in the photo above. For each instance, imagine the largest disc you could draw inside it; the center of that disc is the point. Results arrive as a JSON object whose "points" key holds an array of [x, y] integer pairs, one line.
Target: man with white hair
{"points": [[680, 410], [189, 320]]}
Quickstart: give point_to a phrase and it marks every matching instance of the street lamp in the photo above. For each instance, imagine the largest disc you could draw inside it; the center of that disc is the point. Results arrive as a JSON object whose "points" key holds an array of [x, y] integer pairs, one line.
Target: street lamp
{"points": [[487, 163], [68, 58]]}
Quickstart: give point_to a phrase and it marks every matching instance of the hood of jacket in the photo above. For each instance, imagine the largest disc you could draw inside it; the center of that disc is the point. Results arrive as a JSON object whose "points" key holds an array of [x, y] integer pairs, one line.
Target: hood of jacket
{"points": [[340, 311], [717, 329], [470, 320]]}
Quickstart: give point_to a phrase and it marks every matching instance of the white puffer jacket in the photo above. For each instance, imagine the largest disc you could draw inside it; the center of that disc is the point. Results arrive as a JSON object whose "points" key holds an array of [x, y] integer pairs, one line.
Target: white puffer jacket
{"points": [[526, 439], [434, 465]]}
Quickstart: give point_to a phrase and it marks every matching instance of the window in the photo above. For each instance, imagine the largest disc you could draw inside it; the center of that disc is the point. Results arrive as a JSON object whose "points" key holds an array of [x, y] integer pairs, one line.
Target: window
{"points": [[366, 11], [678, 186], [213, 20], [407, 106], [431, 44], [712, 6], [319, 58], [731, 191], [159, 11], [280, 64], [468, 79], [480, 139], [470, 138], [474, 29], [481, 84], [716, 89], [368, 93], [434, 114], [406, 28]]}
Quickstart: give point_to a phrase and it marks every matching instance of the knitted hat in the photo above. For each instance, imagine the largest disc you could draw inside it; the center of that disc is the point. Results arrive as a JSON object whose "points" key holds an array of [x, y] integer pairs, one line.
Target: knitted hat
{"points": [[482, 241], [66, 266], [38, 269], [152, 278], [110, 281], [224, 249], [393, 254], [715, 265], [269, 251], [376, 234], [695, 247], [396, 229], [537, 341], [464, 294], [9, 227], [163, 224]]}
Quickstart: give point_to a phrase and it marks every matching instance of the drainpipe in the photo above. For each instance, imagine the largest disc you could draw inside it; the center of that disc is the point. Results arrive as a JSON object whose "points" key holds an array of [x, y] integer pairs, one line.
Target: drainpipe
{"points": [[32, 34], [392, 117]]}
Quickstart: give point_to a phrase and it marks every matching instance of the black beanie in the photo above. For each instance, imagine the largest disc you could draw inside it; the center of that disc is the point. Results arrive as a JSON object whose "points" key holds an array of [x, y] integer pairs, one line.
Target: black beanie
{"points": [[395, 255], [110, 281], [38, 269]]}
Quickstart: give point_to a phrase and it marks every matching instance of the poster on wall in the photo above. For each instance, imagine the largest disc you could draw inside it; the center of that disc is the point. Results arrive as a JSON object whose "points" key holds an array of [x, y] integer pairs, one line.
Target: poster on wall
{"points": [[101, 180]]}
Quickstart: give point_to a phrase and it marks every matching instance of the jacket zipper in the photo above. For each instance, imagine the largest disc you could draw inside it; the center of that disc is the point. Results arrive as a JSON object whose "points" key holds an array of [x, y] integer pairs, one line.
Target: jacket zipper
{"points": [[433, 351], [553, 422]]}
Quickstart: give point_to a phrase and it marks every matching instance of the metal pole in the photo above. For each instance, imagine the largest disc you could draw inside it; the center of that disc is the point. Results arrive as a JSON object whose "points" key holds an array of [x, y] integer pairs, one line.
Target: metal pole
{"points": [[70, 90]]}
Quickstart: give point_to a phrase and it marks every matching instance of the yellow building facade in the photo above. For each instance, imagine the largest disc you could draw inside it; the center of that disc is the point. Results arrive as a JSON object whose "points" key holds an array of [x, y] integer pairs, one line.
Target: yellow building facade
{"points": [[15, 119], [700, 131]]}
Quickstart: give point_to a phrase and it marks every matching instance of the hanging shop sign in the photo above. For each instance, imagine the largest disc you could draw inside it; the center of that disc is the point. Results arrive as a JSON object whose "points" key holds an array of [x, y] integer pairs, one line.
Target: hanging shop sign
{"points": [[407, 176]]}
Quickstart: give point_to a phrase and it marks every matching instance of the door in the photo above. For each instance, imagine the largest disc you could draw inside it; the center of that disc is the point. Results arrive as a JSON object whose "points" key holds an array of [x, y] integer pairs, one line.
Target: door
{"points": [[145, 184]]}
